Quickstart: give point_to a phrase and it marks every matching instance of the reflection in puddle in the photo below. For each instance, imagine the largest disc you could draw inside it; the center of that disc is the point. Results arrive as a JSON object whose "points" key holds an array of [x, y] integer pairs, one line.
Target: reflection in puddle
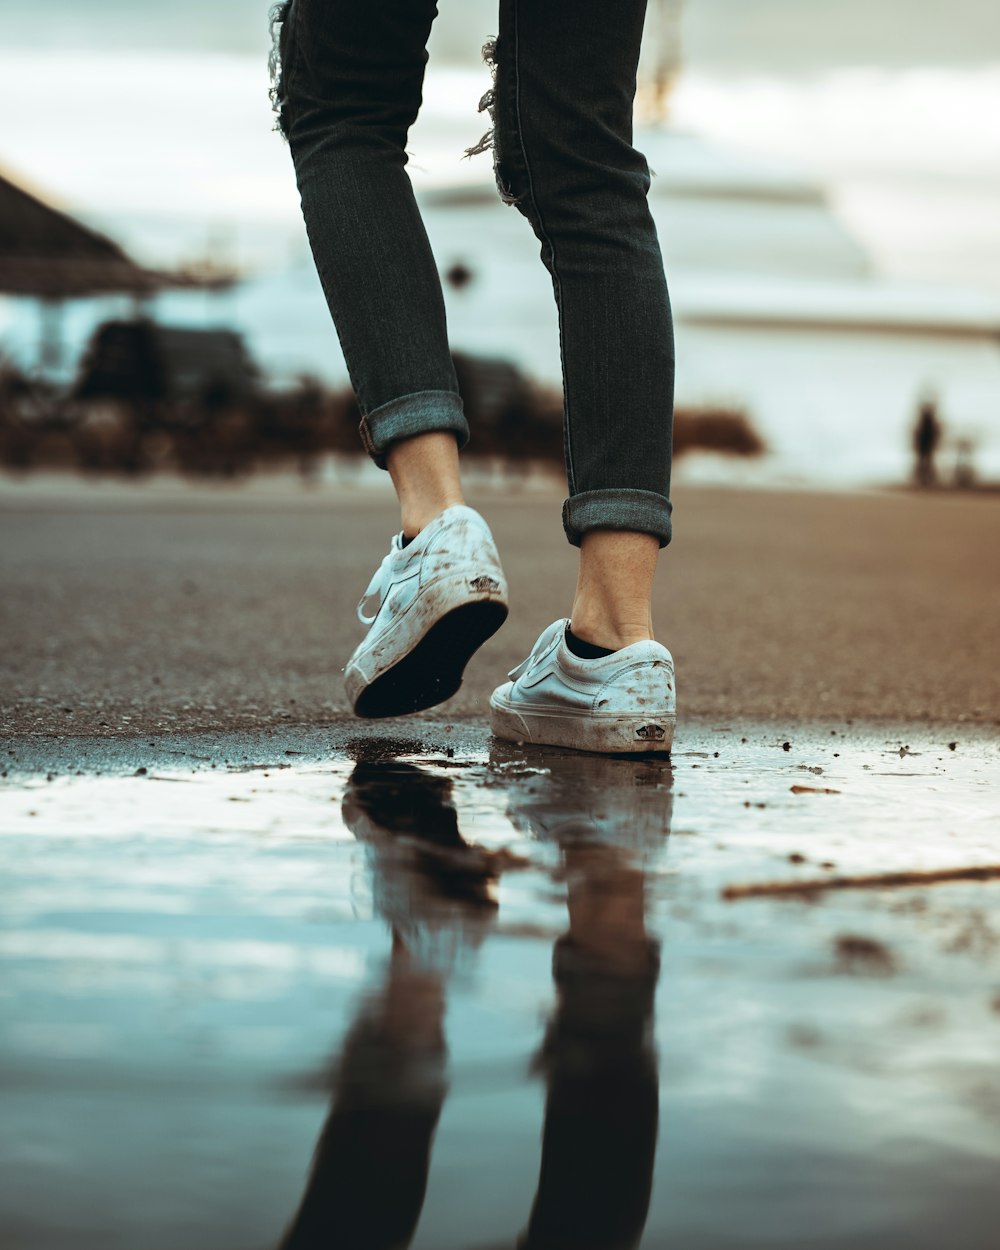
{"points": [[435, 890], [404, 998]]}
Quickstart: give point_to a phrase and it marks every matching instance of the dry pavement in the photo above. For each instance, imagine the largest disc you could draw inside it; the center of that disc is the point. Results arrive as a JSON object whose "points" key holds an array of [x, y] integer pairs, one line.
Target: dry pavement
{"points": [[131, 610]]}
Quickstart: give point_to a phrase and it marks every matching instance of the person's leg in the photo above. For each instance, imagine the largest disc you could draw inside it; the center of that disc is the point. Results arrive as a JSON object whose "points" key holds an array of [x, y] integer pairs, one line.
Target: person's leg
{"points": [[424, 471], [565, 76], [562, 137], [347, 88], [611, 608]]}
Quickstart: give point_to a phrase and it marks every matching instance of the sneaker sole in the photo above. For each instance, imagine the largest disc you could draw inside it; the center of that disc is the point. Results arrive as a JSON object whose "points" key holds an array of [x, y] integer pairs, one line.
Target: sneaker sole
{"points": [[604, 735], [432, 671]]}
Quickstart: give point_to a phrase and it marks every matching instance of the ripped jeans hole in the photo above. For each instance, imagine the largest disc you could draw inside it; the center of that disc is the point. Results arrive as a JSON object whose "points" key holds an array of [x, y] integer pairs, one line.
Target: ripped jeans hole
{"points": [[277, 64], [491, 139]]}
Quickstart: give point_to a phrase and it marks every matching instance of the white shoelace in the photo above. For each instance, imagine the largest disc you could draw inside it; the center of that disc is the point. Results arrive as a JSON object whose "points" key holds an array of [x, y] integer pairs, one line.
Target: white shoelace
{"points": [[378, 585], [542, 645]]}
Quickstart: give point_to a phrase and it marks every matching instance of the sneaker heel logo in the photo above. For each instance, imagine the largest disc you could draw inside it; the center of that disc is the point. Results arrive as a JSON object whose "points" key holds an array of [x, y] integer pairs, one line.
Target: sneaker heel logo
{"points": [[650, 733], [484, 583]]}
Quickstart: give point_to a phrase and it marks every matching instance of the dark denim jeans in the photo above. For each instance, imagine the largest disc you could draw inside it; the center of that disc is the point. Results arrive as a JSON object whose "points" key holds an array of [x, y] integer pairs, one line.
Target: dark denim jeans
{"points": [[347, 87]]}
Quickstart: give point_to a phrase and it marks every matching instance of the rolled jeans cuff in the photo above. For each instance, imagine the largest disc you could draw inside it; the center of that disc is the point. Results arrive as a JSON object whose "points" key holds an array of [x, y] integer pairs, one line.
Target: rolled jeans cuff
{"points": [[642, 511], [423, 412]]}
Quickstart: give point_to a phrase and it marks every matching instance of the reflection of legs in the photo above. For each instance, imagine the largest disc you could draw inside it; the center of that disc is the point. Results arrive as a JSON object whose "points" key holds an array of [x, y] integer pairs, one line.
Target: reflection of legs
{"points": [[370, 1170], [602, 1109], [369, 1173]]}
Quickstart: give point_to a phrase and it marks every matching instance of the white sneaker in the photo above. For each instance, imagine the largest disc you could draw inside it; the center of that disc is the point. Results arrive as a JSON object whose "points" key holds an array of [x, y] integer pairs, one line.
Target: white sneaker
{"points": [[621, 703], [439, 598]]}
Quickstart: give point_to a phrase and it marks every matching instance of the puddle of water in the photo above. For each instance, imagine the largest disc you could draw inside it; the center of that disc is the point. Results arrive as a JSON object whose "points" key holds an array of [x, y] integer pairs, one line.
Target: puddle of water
{"points": [[499, 999]]}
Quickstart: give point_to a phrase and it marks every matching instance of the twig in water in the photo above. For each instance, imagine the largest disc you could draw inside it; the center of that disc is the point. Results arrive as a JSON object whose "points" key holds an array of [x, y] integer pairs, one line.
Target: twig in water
{"points": [[873, 881]]}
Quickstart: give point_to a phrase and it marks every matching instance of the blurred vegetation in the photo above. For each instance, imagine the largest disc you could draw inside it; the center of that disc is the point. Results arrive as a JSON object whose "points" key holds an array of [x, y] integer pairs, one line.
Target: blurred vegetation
{"points": [[149, 398]]}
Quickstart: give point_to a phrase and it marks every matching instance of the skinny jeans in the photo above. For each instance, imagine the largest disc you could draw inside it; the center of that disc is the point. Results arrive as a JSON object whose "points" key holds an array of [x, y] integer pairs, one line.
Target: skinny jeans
{"points": [[347, 80]]}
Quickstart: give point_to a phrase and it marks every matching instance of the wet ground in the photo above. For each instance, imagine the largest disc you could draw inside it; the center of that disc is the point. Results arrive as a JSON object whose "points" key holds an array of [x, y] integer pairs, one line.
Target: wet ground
{"points": [[338, 988]]}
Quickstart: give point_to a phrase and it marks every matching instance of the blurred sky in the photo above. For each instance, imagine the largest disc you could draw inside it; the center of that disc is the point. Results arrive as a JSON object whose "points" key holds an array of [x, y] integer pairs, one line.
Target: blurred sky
{"points": [[130, 110], [782, 35]]}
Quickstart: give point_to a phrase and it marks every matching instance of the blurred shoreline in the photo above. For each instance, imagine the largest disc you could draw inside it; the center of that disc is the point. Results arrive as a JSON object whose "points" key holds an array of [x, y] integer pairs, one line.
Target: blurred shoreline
{"points": [[341, 476], [830, 238]]}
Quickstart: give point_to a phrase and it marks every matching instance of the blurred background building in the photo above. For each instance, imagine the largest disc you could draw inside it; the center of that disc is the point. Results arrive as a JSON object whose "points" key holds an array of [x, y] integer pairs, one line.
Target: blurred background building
{"points": [[827, 190]]}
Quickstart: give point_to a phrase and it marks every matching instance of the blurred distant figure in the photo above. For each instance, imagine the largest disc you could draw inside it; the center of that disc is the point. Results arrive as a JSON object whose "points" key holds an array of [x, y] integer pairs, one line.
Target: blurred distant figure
{"points": [[965, 471], [926, 439]]}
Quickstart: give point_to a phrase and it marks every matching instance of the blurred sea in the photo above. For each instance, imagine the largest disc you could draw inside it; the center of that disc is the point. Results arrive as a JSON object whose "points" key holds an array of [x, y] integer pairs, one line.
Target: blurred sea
{"points": [[832, 241]]}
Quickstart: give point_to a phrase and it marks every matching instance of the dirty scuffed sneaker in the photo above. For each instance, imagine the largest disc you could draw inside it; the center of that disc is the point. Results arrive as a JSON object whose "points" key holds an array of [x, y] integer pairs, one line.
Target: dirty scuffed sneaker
{"points": [[622, 703], [436, 600]]}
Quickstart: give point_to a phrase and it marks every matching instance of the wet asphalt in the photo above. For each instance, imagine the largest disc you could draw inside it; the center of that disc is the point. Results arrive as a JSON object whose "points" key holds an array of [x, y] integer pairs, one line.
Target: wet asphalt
{"points": [[273, 976], [133, 612], [411, 986]]}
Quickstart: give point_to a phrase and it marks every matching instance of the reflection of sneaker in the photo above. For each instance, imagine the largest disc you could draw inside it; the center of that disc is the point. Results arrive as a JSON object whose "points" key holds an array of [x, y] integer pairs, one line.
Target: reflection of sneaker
{"points": [[571, 799], [621, 703], [439, 598], [434, 889]]}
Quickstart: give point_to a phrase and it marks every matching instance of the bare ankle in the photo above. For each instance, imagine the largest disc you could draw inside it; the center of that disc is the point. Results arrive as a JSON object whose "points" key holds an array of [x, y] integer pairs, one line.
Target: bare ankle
{"points": [[424, 471], [612, 604], [414, 519]]}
